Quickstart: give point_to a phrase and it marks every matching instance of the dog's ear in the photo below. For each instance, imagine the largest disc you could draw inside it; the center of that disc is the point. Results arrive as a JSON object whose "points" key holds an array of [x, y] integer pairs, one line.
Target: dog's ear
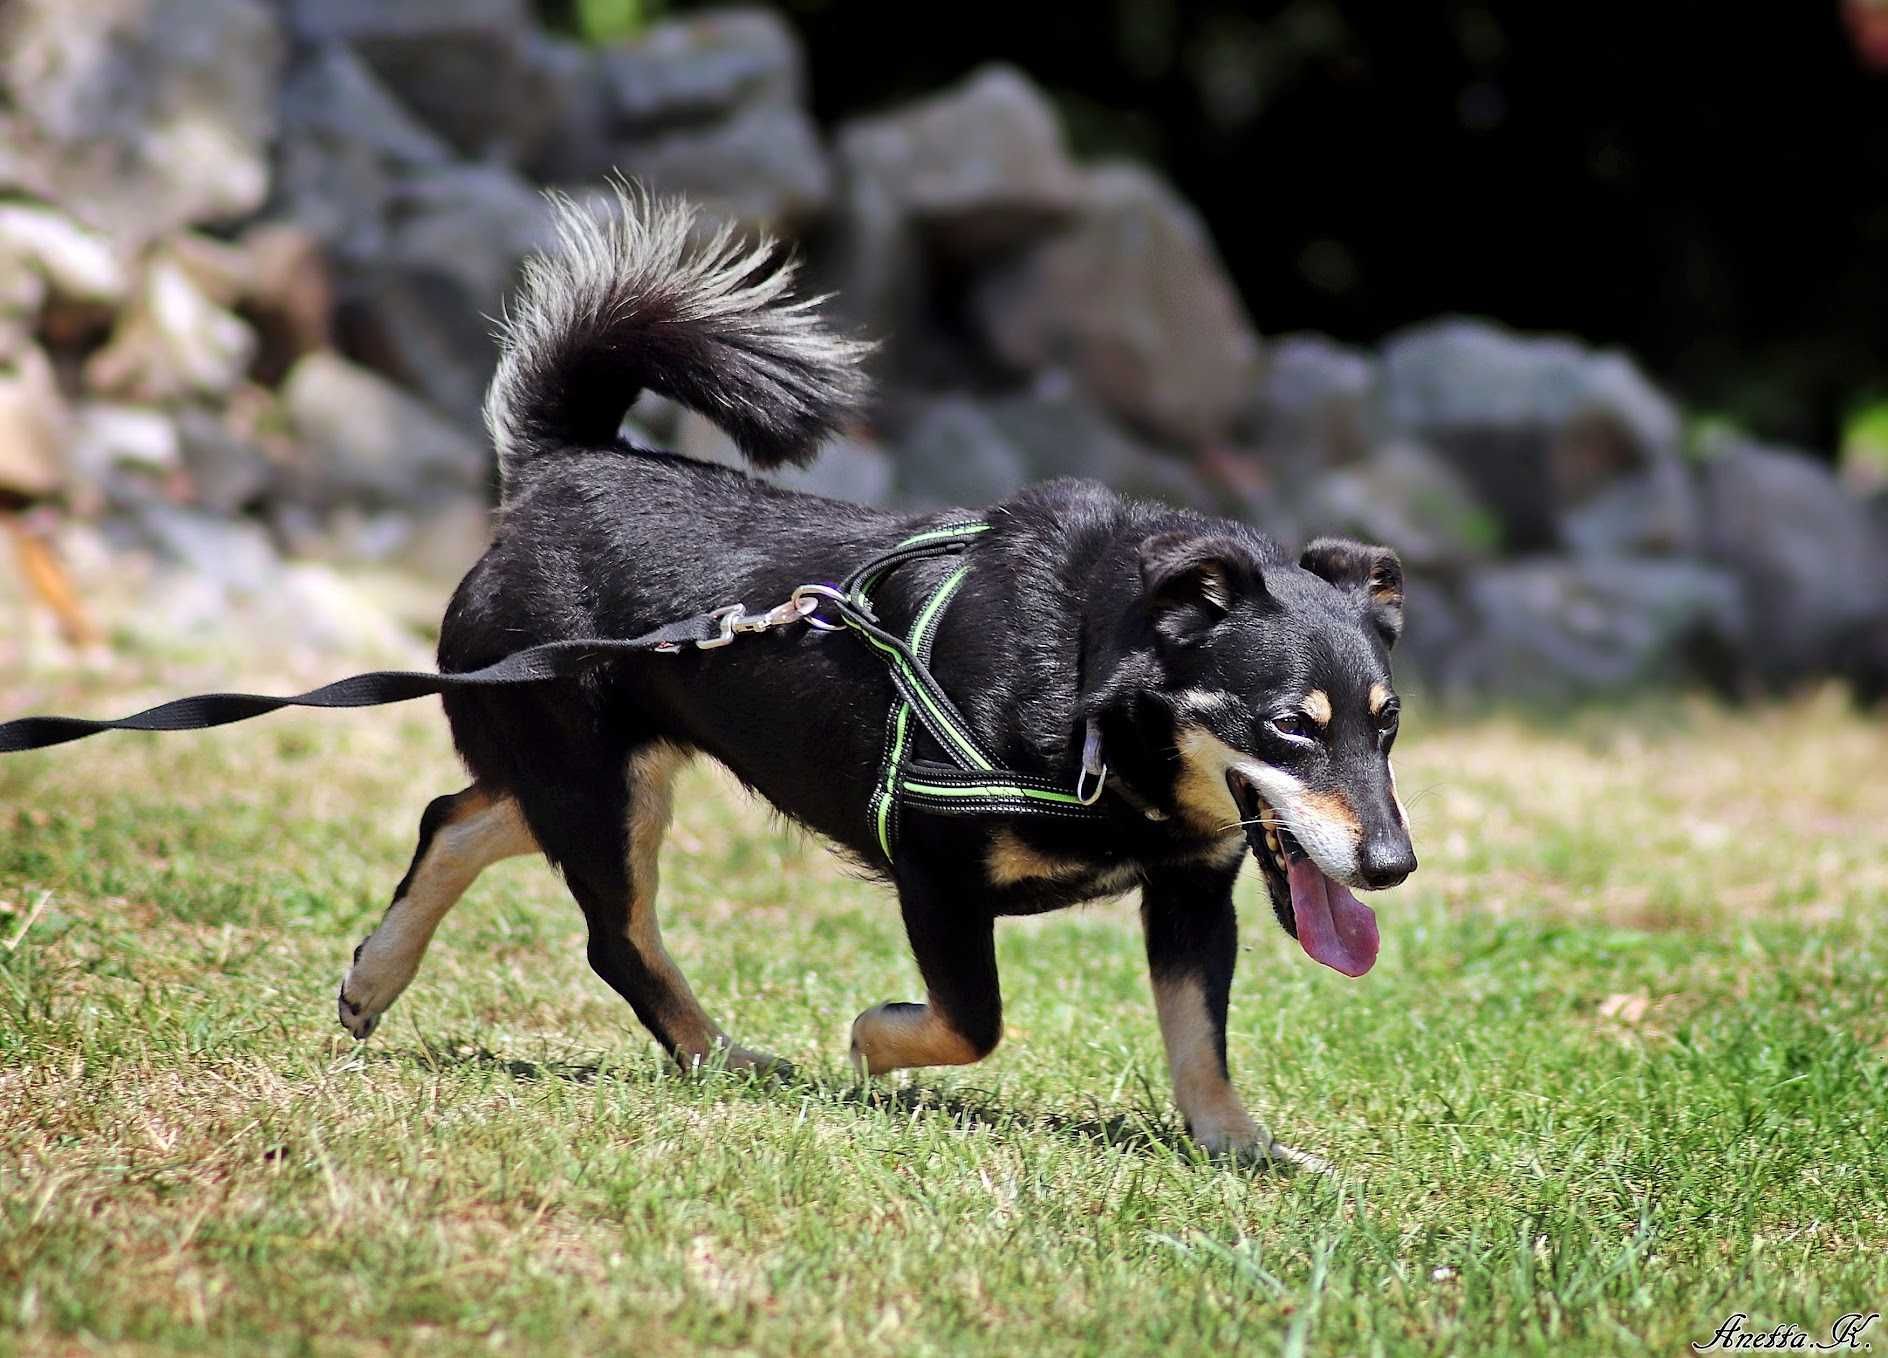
{"points": [[1373, 574], [1191, 580]]}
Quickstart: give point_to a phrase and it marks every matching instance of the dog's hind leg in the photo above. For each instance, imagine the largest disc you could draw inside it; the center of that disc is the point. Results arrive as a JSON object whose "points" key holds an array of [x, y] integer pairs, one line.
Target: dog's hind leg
{"points": [[460, 836], [609, 857], [961, 1020]]}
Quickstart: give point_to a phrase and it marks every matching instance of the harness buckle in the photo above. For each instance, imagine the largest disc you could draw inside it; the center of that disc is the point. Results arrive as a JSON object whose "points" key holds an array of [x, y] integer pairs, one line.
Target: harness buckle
{"points": [[807, 598]]}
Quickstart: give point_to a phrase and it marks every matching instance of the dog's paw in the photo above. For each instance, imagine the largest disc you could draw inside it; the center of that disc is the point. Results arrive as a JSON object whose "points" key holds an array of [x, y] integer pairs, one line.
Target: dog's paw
{"points": [[1243, 1142], [355, 1017], [361, 1002], [763, 1065]]}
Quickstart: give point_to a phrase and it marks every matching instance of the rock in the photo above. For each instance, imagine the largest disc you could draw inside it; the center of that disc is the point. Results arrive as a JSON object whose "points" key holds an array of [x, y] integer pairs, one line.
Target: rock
{"points": [[847, 468], [454, 63], [1570, 447], [366, 440], [288, 294], [1810, 560], [228, 472], [962, 451], [34, 422], [762, 165], [143, 115], [1315, 403], [981, 166], [231, 552], [1404, 495], [700, 68], [563, 130], [345, 143], [120, 454], [171, 342], [954, 453], [72, 260], [419, 310], [1551, 628], [1132, 299]]}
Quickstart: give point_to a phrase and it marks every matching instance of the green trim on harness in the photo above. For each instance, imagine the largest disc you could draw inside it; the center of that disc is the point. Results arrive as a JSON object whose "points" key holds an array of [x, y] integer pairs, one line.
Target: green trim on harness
{"points": [[971, 784]]}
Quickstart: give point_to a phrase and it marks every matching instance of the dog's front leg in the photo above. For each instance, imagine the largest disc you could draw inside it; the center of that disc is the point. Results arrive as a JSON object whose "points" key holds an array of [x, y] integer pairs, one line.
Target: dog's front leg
{"points": [[1192, 940], [961, 1020]]}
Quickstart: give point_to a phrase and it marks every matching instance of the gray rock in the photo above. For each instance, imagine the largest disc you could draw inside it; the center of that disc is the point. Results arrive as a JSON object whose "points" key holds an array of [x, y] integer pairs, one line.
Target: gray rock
{"points": [[71, 260], [1315, 403], [1810, 558], [1546, 627], [981, 166], [1571, 448], [419, 310], [700, 68], [34, 423], [228, 472], [171, 342], [233, 553], [345, 143], [762, 165], [367, 441], [143, 115], [954, 453], [1133, 301], [962, 451], [1406, 497], [563, 129], [455, 63], [847, 468]]}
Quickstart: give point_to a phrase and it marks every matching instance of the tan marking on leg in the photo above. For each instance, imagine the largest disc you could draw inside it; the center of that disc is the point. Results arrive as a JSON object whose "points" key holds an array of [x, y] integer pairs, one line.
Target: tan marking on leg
{"points": [[1317, 706], [482, 829], [1215, 1117], [697, 1037], [1379, 695], [898, 1036]]}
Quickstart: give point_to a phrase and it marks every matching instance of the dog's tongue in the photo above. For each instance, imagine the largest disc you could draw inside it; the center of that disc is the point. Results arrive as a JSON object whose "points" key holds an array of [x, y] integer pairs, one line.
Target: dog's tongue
{"points": [[1334, 927]]}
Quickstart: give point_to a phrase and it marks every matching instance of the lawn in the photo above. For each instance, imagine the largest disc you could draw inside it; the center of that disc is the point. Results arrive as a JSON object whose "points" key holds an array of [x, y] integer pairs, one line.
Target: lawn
{"points": [[1618, 1074]]}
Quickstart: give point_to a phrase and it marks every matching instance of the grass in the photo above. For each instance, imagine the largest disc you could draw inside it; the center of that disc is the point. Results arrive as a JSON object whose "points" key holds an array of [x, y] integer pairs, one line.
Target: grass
{"points": [[1619, 1073]]}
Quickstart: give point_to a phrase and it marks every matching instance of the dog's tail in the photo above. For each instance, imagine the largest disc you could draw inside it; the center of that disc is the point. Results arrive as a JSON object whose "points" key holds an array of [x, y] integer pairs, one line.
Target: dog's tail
{"points": [[638, 298]]}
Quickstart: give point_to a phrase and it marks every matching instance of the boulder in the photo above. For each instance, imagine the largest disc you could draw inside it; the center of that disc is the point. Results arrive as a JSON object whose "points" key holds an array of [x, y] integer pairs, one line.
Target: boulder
{"points": [[120, 454], [696, 69], [345, 143], [1406, 496], [848, 468], [1315, 403], [954, 453], [980, 167], [1810, 558], [420, 309], [34, 423], [228, 472], [563, 134], [1572, 448], [142, 115], [1130, 298], [171, 342], [1547, 627], [366, 441], [455, 63], [69, 259], [762, 165]]}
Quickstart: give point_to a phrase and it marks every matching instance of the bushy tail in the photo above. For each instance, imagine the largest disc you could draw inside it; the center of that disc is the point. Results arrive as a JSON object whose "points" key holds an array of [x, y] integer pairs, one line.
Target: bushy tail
{"points": [[637, 298]]}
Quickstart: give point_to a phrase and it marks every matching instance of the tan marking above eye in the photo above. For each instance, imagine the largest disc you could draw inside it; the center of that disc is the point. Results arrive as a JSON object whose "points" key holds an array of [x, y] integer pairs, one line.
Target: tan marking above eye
{"points": [[1317, 705], [1379, 695]]}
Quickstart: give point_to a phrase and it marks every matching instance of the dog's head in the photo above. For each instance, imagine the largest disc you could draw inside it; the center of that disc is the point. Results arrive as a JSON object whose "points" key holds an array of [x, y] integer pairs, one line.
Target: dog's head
{"points": [[1284, 716]]}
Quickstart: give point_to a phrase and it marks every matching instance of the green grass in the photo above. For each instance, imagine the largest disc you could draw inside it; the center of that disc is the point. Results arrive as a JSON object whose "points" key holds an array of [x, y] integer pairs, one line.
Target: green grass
{"points": [[1619, 1072]]}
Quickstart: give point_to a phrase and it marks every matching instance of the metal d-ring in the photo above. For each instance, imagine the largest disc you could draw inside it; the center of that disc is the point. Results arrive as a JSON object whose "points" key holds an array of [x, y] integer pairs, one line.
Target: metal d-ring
{"points": [[816, 593]]}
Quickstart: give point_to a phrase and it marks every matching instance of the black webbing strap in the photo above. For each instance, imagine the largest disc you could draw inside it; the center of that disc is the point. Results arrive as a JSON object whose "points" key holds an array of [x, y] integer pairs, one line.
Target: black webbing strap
{"points": [[552, 660]]}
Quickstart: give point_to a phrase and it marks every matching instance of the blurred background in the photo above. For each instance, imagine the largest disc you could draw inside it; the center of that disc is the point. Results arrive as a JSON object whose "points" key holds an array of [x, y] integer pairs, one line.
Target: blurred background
{"points": [[1581, 308]]}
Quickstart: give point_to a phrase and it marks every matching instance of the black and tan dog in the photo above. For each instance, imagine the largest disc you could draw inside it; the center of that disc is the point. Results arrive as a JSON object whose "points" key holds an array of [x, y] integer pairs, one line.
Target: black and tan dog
{"points": [[1240, 696]]}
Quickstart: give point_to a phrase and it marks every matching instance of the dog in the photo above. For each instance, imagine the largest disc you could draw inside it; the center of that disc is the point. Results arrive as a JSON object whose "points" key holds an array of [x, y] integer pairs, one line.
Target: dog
{"points": [[1238, 698]]}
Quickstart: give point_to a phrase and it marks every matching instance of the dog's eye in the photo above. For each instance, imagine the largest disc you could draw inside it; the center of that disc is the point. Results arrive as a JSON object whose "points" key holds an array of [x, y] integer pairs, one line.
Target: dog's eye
{"points": [[1295, 725], [1386, 724]]}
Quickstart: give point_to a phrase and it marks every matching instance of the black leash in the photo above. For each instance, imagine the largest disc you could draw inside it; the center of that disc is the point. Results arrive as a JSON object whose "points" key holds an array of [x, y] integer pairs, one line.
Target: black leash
{"points": [[552, 660]]}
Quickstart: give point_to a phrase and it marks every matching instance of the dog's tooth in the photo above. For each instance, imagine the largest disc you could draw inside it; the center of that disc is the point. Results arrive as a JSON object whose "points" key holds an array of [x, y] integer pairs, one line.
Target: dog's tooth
{"points": [[1271, 840]]}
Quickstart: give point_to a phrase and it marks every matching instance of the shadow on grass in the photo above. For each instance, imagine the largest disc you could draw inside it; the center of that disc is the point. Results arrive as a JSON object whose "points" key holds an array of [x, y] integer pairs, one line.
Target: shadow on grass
{"points": [[1135, 1130]]}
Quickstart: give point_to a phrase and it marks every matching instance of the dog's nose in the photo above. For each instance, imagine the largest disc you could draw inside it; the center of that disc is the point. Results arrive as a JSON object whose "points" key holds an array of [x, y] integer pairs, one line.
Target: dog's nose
{"points": [[1386, 861]]}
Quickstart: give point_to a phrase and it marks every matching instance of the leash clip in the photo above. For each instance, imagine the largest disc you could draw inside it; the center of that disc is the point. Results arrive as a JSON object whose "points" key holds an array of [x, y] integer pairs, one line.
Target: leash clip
{"points": [[735, 620], [807, 598]]}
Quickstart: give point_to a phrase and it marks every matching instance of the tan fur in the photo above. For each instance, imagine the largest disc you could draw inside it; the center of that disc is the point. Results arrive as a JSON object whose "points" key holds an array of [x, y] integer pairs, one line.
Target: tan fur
{"points": [[1317, 706], [1216, 1118], [1010, 861], [1379, 695], [888, 1037], [651, 805], [1201, 787], [1333, 807], [481, 830]]}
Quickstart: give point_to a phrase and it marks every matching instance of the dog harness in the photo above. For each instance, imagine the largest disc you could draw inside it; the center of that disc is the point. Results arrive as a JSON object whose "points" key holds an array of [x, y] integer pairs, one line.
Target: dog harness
{"points": [[969, 784]]}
